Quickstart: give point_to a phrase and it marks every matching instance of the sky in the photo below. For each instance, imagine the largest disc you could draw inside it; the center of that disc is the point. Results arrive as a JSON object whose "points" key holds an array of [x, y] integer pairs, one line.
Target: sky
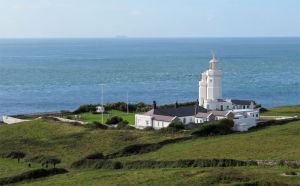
{"points": [[149, 18]]}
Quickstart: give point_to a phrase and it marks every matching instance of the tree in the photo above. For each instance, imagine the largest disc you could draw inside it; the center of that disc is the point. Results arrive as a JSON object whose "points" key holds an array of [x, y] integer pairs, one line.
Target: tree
{"points": [[54, 161], [114, 120], [16, 155]]}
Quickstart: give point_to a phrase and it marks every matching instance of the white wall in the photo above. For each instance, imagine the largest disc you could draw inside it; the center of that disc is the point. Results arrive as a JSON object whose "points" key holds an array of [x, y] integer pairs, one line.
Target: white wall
{"points": [[142, 121], [160, 124], [187, 119]]}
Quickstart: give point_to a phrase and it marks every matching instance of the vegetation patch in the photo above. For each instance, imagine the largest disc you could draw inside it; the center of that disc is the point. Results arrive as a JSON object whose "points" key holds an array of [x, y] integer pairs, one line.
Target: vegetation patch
{"points": [[263, 124], [46, 160], [13, 155], [214, 128], [149, 164], [145, 148], [293, 110], [33, 174]]}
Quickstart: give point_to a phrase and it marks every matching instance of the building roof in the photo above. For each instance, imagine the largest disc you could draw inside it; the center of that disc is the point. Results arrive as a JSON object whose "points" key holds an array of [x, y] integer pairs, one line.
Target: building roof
{"points": [[242, 102], [179, 111], [203, 115], [163, 118], [220, 113]]}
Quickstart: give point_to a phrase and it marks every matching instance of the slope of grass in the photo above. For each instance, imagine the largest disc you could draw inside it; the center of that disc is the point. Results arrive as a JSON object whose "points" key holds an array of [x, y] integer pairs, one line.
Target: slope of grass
{"points": [[9, 167], [275, 142], [192, 176], [293, 110], [68, 142], [90, 117]]}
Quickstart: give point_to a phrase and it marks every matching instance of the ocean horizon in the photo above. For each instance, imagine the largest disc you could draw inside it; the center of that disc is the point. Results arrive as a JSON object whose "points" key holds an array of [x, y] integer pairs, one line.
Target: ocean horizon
{"points": [[44, 75]]}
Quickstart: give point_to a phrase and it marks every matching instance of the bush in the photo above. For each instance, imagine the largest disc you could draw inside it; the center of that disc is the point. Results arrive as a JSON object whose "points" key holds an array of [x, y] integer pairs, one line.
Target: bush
{"points": [[14, 155], [177, 124], [220, 127], [96, 155], [33, 174], [45, 160], [291, 173], [114, 120], [148, 129], [262, 109], [85, 108], [150, 164], [124, 125], [97, 125], [167, 130]]}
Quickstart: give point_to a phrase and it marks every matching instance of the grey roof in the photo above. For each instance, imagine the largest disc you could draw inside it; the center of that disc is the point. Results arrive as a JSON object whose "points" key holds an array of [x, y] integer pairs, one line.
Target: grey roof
{"points": [[203, 114], [163, 118], [179, 112], [242, 102], [220, 113]]}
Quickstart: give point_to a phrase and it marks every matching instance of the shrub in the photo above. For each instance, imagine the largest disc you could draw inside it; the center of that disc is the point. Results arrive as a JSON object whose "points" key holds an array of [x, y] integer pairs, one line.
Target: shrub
{"points": [[220, 127], [124, 125], [14, 155], [177, 124], [97, 125], [114, 120], [167, 130], [291, 173], [45, 160], [262, 109], [150, 164], [85, 108], [33, 174], [95, 155], [148, 129]]}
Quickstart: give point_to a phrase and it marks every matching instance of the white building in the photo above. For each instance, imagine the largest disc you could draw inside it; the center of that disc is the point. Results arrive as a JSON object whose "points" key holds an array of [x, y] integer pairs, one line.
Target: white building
{"points": [[211, 106]]}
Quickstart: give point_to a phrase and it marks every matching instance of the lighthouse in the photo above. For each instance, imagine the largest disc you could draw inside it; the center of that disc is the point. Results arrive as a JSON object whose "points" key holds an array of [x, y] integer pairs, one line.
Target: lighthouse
{"points": [[210, 85]]}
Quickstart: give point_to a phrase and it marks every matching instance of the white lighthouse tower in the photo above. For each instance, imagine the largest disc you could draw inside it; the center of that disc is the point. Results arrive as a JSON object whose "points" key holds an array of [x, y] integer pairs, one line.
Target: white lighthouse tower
{"points": [[210, 86]]}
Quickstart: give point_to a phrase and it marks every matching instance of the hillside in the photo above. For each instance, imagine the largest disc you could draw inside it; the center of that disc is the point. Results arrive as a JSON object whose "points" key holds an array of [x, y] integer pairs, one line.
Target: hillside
{"points": [[68, 142], [71, 143], [274, 142], [293, 110]]}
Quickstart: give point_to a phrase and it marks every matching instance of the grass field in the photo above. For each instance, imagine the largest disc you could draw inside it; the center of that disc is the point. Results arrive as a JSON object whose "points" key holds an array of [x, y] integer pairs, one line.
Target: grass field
{"points": [[90, 117], [183, 176], [68, 142], [274, 142], [71, 143], [9, 167], [293, 110]]}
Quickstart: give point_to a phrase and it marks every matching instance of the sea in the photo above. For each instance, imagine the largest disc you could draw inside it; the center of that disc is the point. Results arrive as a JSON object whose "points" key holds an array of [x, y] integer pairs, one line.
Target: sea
{"points": [[45, 75]]}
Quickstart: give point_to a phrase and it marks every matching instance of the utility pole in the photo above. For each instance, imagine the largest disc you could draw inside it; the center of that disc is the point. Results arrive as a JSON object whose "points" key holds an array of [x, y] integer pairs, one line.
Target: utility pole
{"points": [[102, 104], [127, 103]]}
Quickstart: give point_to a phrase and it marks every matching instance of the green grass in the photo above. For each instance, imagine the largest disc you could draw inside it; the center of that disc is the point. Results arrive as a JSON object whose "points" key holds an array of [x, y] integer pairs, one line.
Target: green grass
{"points": [[183, 176], [274, 142], [70, 143], [293, 110], [90, 117], [10, 167]]}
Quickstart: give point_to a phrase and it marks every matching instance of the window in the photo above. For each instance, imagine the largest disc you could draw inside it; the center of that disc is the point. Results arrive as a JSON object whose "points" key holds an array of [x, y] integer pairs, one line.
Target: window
{"points": [[227, 107], [257, 115], [147, 122]]}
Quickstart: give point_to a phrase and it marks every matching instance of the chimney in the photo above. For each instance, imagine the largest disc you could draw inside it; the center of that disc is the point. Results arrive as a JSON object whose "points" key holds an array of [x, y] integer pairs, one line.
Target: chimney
{"points": [[154, 104], [176, 104], [196, 107]]}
